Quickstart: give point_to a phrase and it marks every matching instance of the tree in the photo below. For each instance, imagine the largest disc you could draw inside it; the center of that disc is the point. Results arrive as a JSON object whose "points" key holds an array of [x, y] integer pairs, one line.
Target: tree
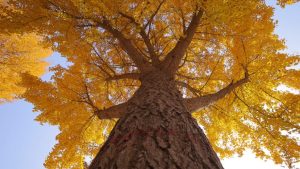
{"points": [[19, 54], [150, 64]]}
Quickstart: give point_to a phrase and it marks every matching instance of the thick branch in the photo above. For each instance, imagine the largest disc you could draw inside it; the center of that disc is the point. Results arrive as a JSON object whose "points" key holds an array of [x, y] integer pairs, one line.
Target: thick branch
{"points": [[112, 112], [196, 103], [128, 46], [189, 87], [145, 38], [135, 76], [173, 58], [150, 47]]}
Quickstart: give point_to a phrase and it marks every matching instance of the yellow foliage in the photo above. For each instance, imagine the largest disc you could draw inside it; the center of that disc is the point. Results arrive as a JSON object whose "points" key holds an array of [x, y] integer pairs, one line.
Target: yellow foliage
{"points": [[19, 54], [286, 2]]}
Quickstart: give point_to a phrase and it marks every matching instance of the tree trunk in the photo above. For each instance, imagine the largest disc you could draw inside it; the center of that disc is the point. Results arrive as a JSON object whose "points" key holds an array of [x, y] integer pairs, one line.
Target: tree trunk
{"points": [[156, 132]]}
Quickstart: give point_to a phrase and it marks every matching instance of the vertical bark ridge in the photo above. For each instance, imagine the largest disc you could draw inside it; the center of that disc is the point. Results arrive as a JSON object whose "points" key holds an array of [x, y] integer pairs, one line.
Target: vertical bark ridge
{"points": [[157, 132]]}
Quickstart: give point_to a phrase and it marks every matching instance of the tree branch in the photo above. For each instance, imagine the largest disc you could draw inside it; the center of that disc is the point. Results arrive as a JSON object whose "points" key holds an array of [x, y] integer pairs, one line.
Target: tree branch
{"points": [[196, 103], [128, 46], [145, 38], [183, 21], [112, 112], [102, 60], [189, 87], [154, 14], [124, 76], [173, 58]]}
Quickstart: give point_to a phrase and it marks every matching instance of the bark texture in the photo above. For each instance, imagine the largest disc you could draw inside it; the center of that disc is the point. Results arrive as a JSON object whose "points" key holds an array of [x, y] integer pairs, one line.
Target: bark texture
{"points": [[156, 132]]}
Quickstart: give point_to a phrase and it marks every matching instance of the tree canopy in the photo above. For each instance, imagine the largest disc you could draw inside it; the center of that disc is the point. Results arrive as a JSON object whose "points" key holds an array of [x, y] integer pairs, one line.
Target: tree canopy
{"points": [[227, 58], [19, 54]]}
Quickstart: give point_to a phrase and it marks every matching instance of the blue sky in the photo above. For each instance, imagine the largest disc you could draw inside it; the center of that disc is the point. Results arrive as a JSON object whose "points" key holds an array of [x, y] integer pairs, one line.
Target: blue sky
{"points": [[25, 143]]}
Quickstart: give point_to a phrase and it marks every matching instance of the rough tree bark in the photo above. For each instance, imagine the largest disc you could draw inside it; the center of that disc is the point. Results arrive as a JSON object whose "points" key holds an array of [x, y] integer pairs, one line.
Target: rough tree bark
{"points": [[156, 132]]}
